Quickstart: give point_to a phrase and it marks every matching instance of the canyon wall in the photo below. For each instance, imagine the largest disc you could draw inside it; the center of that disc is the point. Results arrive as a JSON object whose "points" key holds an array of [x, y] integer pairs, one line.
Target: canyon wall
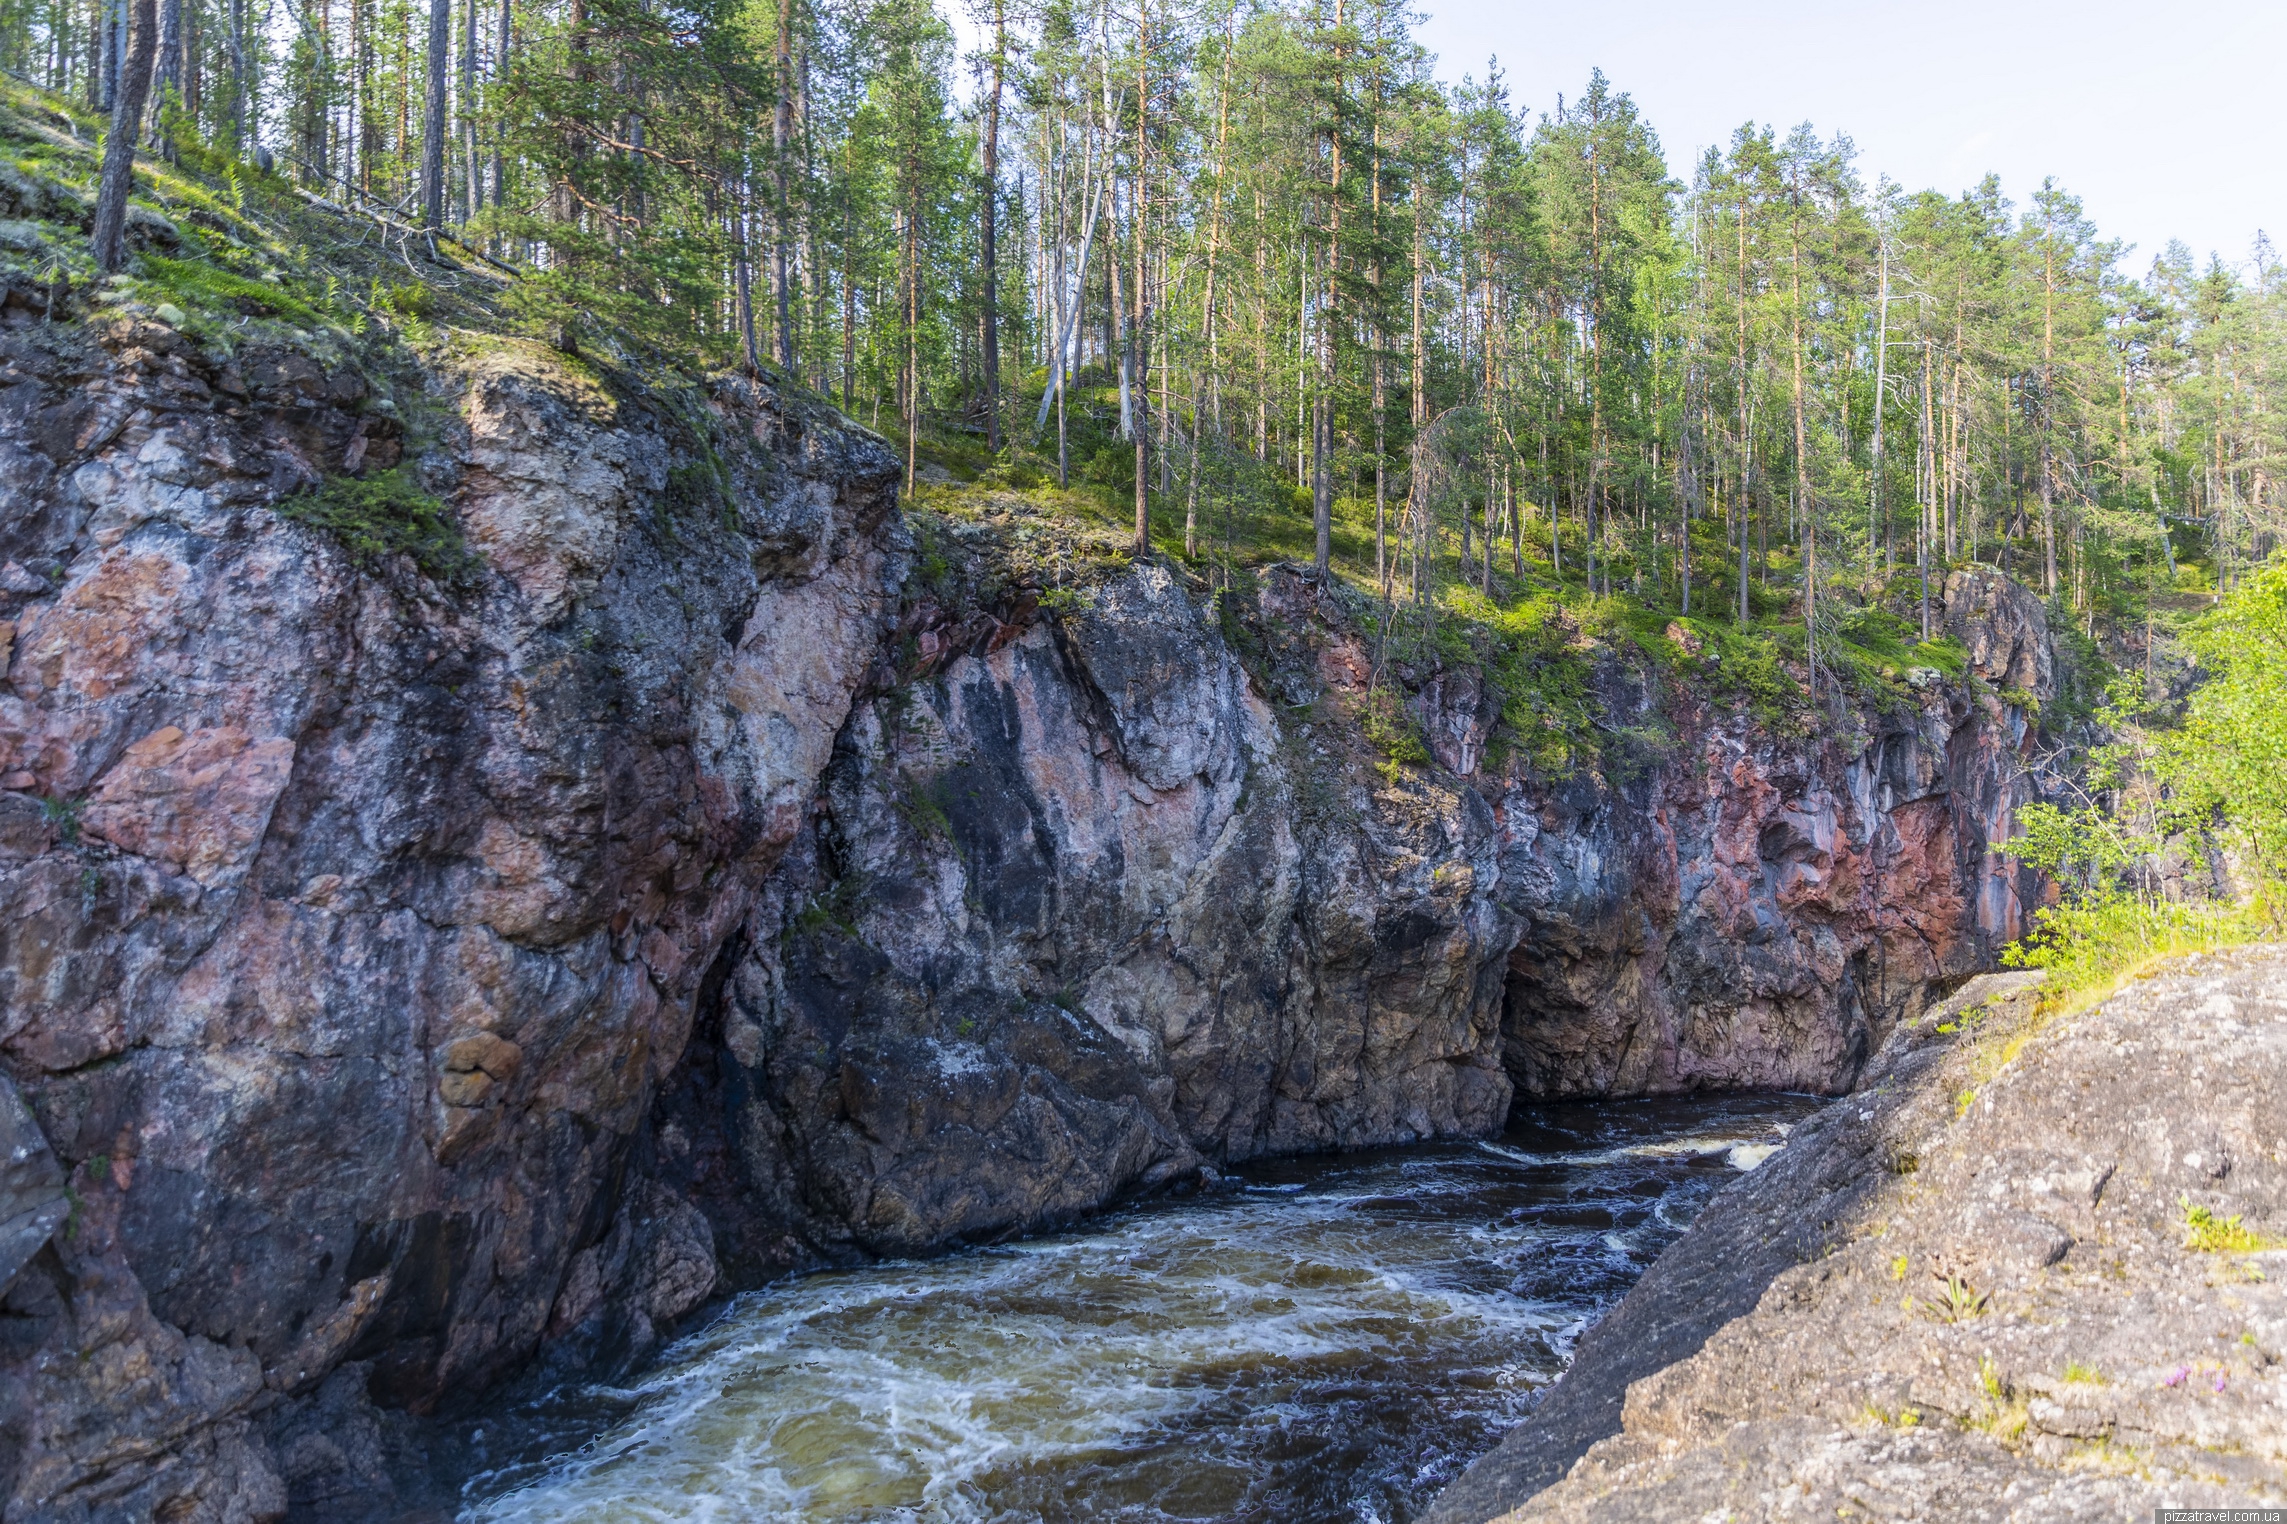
{"points": [[1760, 909], [413, 966], [350, 916]]}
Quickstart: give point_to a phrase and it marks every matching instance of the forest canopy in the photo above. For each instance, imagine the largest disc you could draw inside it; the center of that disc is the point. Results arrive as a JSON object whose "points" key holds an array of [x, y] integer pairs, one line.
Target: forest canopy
{"points": [[1222, 253]]}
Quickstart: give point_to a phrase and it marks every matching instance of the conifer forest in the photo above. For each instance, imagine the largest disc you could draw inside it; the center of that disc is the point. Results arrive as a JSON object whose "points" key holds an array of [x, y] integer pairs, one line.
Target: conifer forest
{"points": [[1248, 279]]}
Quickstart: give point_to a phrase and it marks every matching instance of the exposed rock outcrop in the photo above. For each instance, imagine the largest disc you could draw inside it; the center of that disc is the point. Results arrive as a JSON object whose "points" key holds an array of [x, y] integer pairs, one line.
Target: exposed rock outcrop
{"points": [[348, 921], [1980, 1286], [1758, 911], [1063, 929]]}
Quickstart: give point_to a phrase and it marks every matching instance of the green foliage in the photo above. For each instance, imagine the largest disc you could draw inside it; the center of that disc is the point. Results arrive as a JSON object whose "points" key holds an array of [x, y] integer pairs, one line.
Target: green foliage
{"points": [[1391, 731], [1747, 667], [2227, 763], [1540, 659], [215, 295], [2089, 945], [923, 806], [2210, 1234], [63, 813], [1881, 651], [385, 515], [1956, 1300], [2217, 780], [835, 908], [1113, 466]]}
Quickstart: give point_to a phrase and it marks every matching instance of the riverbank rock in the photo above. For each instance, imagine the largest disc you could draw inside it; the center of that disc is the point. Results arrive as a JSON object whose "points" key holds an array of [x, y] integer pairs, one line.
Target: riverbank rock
{"points": [[2028, 1270]]}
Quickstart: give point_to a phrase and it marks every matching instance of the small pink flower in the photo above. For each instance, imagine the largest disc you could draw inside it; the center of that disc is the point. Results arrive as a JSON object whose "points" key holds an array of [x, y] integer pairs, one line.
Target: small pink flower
{"points": [[2176, 1376], [2219, 1381]]}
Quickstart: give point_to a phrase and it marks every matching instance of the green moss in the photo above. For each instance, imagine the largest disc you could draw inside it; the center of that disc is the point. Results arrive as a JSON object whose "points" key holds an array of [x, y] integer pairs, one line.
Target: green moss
{"points": [[835, 908], [209, 291], [694, 487], [924, 809], [376, 517]]}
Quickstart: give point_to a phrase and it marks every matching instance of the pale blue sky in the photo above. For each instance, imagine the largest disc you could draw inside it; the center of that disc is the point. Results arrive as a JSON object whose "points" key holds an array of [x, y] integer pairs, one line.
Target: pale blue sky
{"points": [[2169, 121]]}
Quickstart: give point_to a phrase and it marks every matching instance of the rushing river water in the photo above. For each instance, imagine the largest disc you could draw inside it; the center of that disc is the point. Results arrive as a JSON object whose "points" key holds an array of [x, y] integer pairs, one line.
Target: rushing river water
{"points": [[1332, 1341]]}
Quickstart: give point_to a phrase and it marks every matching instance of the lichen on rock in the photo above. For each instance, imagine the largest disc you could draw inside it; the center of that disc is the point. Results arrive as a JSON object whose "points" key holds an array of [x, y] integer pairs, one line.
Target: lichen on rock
{"points": [[1976, 1286]]}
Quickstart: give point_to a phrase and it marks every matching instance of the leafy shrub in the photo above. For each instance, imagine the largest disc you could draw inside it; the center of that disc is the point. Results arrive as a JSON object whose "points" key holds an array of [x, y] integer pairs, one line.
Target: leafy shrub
{"points": [[1113, 466], [209, 290], [2210, 1234], [1392, 732], [2218, 777]]}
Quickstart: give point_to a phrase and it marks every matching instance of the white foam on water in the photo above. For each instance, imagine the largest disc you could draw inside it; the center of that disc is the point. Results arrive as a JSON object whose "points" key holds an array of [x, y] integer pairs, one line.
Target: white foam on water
{"points": [[1150, 1351], [1745, 1156]]}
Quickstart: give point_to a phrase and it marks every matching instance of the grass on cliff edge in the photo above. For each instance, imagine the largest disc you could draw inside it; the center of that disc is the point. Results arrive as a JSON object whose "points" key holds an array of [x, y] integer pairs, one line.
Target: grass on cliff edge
{"points": [[238, 259], [1537, 631], [251, 257]]}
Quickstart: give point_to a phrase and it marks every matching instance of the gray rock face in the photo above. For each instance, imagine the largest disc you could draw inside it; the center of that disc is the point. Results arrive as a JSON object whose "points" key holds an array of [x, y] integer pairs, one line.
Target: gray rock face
{"points": [[2004, 628], [1975, 1286], [32, 1199], [1060, 932]]}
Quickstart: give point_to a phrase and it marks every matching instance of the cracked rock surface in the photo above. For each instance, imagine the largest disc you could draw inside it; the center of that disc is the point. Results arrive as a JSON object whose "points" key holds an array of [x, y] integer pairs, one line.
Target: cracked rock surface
{"points": [[1975, 1288], [348, 919]]}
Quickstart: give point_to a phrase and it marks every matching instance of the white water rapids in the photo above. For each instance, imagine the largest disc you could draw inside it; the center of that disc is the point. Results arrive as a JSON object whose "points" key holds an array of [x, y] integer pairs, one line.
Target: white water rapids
{"points": [[1332, 1341]]}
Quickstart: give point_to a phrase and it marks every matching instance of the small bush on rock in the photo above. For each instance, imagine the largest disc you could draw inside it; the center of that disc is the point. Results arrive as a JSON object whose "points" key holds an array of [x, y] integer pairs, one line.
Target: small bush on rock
{"points": [[375, 517]]}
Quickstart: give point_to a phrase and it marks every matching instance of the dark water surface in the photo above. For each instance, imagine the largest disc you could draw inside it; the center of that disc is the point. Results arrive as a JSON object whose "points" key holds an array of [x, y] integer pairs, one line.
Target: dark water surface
{"points": [[1333, 1341]]}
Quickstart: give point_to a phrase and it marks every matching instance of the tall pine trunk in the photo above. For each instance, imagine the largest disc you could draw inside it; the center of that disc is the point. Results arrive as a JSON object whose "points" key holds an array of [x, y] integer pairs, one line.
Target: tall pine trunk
{"points": [[1803, 504], [781, 143], [1138, 335], [110, 236], [167, 70], [433, 120], [499, 140], [989, 253], [472, 197], [1322, 413]]}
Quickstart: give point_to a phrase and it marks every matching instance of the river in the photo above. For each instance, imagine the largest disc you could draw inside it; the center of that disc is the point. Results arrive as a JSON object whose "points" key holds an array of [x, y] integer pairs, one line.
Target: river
{"points": [[1333, 1339]]}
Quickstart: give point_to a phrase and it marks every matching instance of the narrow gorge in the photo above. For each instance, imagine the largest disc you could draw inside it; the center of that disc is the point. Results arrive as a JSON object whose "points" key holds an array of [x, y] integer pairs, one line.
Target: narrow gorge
{"points": [[433, 959]]}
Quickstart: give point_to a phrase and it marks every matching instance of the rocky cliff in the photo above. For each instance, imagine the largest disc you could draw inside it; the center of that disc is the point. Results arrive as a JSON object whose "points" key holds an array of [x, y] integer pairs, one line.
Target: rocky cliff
{"points": [[354, 905], [493, 853], [1759, 909], [2030, 1271]]}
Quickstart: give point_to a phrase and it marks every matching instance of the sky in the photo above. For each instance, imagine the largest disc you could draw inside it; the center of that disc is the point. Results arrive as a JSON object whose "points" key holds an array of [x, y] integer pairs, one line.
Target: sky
{"points": [[2167, 120]]}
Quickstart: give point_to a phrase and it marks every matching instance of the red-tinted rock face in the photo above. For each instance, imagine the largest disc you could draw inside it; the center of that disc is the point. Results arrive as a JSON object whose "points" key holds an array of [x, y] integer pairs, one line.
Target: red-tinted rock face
{"points": [[348, 922], [1758, 912]]}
